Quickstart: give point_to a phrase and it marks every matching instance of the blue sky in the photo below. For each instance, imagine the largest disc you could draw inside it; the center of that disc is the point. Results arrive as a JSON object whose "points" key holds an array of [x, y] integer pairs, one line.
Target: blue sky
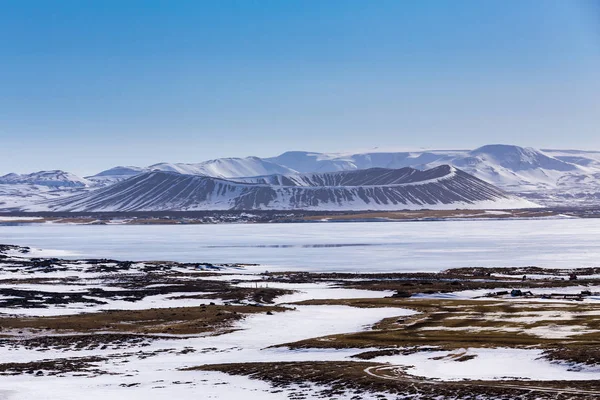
{"points": [[86, 85]]}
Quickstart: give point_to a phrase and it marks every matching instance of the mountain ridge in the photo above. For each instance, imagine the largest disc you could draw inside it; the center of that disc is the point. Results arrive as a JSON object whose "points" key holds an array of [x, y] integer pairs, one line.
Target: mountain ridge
{"points": [[52, 178], [552, 177], [441, 188]]}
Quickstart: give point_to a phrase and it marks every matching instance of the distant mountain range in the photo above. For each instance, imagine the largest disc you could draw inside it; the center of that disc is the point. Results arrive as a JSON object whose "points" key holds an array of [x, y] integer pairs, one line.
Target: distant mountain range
{"points": [[442, 187], [509, 167], [550, 177], [54, 179]]}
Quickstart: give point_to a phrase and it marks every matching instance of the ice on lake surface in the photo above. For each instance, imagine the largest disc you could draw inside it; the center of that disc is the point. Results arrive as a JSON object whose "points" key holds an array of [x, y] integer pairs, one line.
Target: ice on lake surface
{"points": [[364, 246]]}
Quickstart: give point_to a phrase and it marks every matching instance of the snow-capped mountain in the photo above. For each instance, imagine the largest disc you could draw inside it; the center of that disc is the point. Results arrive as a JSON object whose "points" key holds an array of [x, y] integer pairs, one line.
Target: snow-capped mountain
{"points": [[303, 161], [367, 177], [584, 158], [512, 168], [443, 187], [225, 168], [18, 190], [115, 174], [503, 165], [16, 196], [550, 177], [54, 179], [219, 168]]}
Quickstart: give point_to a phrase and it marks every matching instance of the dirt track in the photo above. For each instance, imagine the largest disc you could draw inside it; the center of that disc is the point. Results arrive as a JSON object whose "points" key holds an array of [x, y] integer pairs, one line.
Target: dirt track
{"points": [[395, 373]]}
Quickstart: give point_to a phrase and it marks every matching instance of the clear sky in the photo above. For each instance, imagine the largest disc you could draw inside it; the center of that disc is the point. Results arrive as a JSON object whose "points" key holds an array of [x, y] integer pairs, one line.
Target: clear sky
{"points": [[86, 85]]}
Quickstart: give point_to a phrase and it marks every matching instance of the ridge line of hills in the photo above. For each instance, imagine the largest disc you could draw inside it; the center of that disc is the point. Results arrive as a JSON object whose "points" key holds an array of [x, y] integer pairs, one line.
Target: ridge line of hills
{"points": [[550, 177], [443, 187]]}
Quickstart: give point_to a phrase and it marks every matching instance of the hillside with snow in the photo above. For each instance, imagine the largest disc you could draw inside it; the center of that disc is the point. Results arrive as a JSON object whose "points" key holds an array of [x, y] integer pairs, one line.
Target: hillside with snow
{"points": [[503, 165], [549, 177], [19, 190], [554, 177], [114, 175], [513, 168], [14, 197], [54, 179], [225, 168], [443, 187]]}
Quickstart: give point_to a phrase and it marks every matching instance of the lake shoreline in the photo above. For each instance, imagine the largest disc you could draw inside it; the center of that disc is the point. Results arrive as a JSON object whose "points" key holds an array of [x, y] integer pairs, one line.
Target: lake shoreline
{"points": [[283, 216]]}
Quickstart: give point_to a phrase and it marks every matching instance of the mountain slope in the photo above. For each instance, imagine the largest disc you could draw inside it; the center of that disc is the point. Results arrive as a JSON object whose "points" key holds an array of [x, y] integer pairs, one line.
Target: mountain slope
{"points": [[218, 168], [518, 158], [553, 177], [368, 177], [54, 179], [512, 168], [17, 190], [16, 196], [225, 168], [115, 174], [375, 189], [303, 161], [550, 177]]}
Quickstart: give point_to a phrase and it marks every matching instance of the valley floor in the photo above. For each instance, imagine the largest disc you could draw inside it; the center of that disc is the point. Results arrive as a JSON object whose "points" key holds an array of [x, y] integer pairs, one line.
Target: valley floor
{"points": [[74, 329]]}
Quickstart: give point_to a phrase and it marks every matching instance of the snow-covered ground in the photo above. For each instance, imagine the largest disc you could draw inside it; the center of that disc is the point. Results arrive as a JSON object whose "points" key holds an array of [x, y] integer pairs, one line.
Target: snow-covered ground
{"points": [[489, 364], [41, 253], [154, 374], [4, 218], [152, 370], [317, 291], [138, 376]]}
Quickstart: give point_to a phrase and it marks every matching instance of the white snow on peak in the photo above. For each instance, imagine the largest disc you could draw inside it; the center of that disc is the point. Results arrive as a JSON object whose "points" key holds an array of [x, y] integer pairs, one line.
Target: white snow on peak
{"points": [[55, 178], [226, 168], [119, 171], [510, 167], [114, 175], [549, 176]]}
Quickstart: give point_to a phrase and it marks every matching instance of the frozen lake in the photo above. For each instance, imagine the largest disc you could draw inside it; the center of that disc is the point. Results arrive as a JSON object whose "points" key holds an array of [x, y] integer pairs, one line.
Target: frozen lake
{"points": [[366, 246]]}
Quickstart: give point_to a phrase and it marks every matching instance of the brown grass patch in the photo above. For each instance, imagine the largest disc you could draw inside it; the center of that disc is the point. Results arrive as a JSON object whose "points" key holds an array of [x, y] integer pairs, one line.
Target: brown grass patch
{"points": [[349, 380], [176, 321], [452, 324]]}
